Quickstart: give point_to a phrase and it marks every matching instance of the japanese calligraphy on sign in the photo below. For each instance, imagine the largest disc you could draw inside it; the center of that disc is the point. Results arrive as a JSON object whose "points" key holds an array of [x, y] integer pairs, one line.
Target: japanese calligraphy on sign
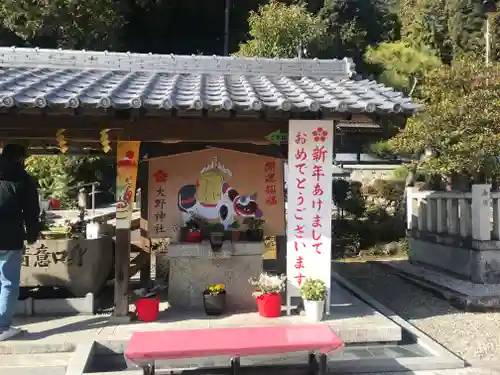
{"points": [[270, 181], [310, 161], [41, 256], [159, 196]]}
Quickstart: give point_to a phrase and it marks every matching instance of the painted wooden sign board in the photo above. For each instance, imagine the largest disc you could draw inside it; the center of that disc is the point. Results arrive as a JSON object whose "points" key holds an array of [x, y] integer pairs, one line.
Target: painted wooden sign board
{"points": [[218, 185], [309, 214]]}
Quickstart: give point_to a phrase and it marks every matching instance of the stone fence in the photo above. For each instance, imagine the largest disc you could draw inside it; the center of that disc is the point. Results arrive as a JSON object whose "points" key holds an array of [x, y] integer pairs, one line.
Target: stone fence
{"points": [[456, 232]]}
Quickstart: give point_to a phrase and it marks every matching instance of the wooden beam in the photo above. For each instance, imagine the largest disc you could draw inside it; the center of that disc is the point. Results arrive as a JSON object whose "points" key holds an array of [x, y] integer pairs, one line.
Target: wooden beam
{"points": [[87, 128]]}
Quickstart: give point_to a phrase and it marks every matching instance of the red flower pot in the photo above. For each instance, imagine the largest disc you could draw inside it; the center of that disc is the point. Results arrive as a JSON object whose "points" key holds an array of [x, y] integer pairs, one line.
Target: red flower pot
{"points": [[147, 309], [55, 204], [193, 237], [269, 305]]}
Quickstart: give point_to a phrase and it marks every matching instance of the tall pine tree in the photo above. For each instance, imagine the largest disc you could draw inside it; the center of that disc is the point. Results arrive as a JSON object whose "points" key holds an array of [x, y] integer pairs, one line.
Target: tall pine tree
{"points": [[466, 22], [353, 25], [425, 23]]}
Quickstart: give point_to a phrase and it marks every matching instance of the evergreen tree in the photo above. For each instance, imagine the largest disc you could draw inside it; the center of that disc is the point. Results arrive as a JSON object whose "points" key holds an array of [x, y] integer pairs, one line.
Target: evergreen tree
{"points": [[466, 22], [403, 66], [279, 30], [353, 25], [92, 24], [461, 122], [425, 23]]}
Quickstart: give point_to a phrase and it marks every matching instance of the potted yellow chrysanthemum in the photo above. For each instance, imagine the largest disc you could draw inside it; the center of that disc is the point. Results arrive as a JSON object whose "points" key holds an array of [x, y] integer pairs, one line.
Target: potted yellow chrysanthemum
{"points": [[214, 299]]}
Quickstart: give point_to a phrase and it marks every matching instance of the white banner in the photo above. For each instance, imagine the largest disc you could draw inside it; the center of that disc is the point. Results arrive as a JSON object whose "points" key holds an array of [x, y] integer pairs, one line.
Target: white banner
{"points": [[309, 215]]}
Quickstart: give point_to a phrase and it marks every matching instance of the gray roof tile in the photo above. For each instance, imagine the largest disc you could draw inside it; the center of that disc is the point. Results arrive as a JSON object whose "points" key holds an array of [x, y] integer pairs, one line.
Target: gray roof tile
{"points": [[72, 79]]}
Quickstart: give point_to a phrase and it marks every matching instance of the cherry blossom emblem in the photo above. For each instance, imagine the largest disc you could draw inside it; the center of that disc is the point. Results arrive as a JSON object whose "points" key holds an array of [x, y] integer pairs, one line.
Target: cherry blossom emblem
{"points": [[160, 176], [319, 134]]}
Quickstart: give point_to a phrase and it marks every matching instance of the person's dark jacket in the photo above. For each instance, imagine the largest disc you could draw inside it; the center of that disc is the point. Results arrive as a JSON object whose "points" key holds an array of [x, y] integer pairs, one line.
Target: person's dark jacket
{"points": [[19, 206]]}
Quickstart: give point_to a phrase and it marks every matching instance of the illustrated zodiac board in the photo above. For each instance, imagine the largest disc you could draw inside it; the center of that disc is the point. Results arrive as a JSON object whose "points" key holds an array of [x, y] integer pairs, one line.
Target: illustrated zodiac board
{"points": [[221, 186]]}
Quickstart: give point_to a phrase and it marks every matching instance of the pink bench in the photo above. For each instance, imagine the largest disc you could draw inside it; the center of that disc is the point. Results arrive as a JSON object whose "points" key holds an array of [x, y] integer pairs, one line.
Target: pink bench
{"points": [[145, 348]]}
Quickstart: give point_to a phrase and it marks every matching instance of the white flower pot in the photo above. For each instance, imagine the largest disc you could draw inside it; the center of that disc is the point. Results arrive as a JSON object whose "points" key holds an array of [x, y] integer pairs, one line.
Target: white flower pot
{"points": [[314, 310]]}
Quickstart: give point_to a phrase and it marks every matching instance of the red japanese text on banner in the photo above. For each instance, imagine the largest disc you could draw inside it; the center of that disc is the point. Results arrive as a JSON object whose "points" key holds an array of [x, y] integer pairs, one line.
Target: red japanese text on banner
{"points": [[310, 161]]}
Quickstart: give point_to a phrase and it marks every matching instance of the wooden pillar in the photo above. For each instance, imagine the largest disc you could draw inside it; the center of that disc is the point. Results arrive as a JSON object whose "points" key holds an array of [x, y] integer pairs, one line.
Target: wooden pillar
{"points": [[125, 191], [122, 263], [142, 182]]}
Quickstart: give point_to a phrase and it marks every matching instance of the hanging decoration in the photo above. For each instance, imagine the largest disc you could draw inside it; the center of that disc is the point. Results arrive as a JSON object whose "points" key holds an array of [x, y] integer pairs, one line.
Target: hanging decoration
{"points": [[127, 163], [61, 140], [105, 141]]}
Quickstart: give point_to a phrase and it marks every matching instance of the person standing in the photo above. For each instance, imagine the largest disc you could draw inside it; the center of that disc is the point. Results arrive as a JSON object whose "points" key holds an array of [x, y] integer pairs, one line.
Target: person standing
{"points": [[19, 222]]}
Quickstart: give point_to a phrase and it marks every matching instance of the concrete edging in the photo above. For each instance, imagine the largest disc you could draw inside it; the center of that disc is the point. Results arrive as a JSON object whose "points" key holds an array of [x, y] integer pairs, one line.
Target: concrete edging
{"points": [[80, 358], [442, 358], [31, 306]]}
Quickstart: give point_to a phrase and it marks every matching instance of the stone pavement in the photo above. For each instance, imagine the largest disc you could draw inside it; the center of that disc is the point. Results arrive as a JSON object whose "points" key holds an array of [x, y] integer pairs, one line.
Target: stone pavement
{"points": [[291, 371], [47, 335], [353, 320], [465, 371]]}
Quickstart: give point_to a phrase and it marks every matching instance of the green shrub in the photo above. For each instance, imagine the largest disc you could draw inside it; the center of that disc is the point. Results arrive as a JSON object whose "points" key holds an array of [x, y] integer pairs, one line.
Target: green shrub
{"points": [[313, 290], [389, 192], [400, 173], [348, 197], [58, 175], [346, 238], [375, 222]]}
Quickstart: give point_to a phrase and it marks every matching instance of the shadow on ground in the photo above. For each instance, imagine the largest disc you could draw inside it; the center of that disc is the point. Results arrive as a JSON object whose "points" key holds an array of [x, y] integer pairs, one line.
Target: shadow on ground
{"points": [[385, 286], [81, 325]]}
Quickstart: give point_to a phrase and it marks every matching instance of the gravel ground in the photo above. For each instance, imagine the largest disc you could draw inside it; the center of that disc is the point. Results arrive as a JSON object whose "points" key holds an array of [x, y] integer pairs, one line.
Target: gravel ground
{"points": [[467, 371], [474, 337]]}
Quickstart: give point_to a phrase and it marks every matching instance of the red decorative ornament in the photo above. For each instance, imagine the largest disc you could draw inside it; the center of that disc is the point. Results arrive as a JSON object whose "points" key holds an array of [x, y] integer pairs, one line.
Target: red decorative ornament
{"points": [[128, 195], [319, 134], [160, 176]]}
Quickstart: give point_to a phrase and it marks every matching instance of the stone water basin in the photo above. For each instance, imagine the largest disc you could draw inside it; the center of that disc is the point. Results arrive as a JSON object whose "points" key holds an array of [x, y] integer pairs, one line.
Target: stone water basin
{"points": [[80, 266]]}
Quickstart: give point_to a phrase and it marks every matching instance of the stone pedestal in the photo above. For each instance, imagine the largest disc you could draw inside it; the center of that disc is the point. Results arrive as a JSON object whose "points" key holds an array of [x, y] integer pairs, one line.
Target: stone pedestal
{"points": [[193, 266]]}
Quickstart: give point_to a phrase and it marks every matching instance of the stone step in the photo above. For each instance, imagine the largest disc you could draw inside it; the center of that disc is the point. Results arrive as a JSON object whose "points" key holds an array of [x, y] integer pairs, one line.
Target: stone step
{"points": [[34, 364], [461, 293]]}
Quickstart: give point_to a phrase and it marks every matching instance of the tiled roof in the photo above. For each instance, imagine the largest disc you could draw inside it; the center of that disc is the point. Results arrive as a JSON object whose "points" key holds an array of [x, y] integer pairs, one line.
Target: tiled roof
{"points": [[71, 79]]}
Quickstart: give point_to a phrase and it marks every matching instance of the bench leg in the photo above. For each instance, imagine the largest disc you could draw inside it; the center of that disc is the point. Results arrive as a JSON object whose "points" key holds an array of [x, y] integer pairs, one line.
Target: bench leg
{"points": [[149, 369], [322, 364], [235, 366], [313, 364]]}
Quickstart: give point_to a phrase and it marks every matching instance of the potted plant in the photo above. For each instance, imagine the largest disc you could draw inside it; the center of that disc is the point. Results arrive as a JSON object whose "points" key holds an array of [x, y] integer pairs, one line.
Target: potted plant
{"points": [[193, 230], [214, 299], [235, 233], [268, 288], [216, 236], [255, 233], [313, 292]]}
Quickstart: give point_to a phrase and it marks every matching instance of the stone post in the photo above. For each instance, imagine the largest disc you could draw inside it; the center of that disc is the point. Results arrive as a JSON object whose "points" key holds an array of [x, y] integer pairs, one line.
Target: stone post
{"points": [[452, 216], [465, 217], [496, 218], [411, 212], [481, 203], [440, 215], [431, 218]]}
